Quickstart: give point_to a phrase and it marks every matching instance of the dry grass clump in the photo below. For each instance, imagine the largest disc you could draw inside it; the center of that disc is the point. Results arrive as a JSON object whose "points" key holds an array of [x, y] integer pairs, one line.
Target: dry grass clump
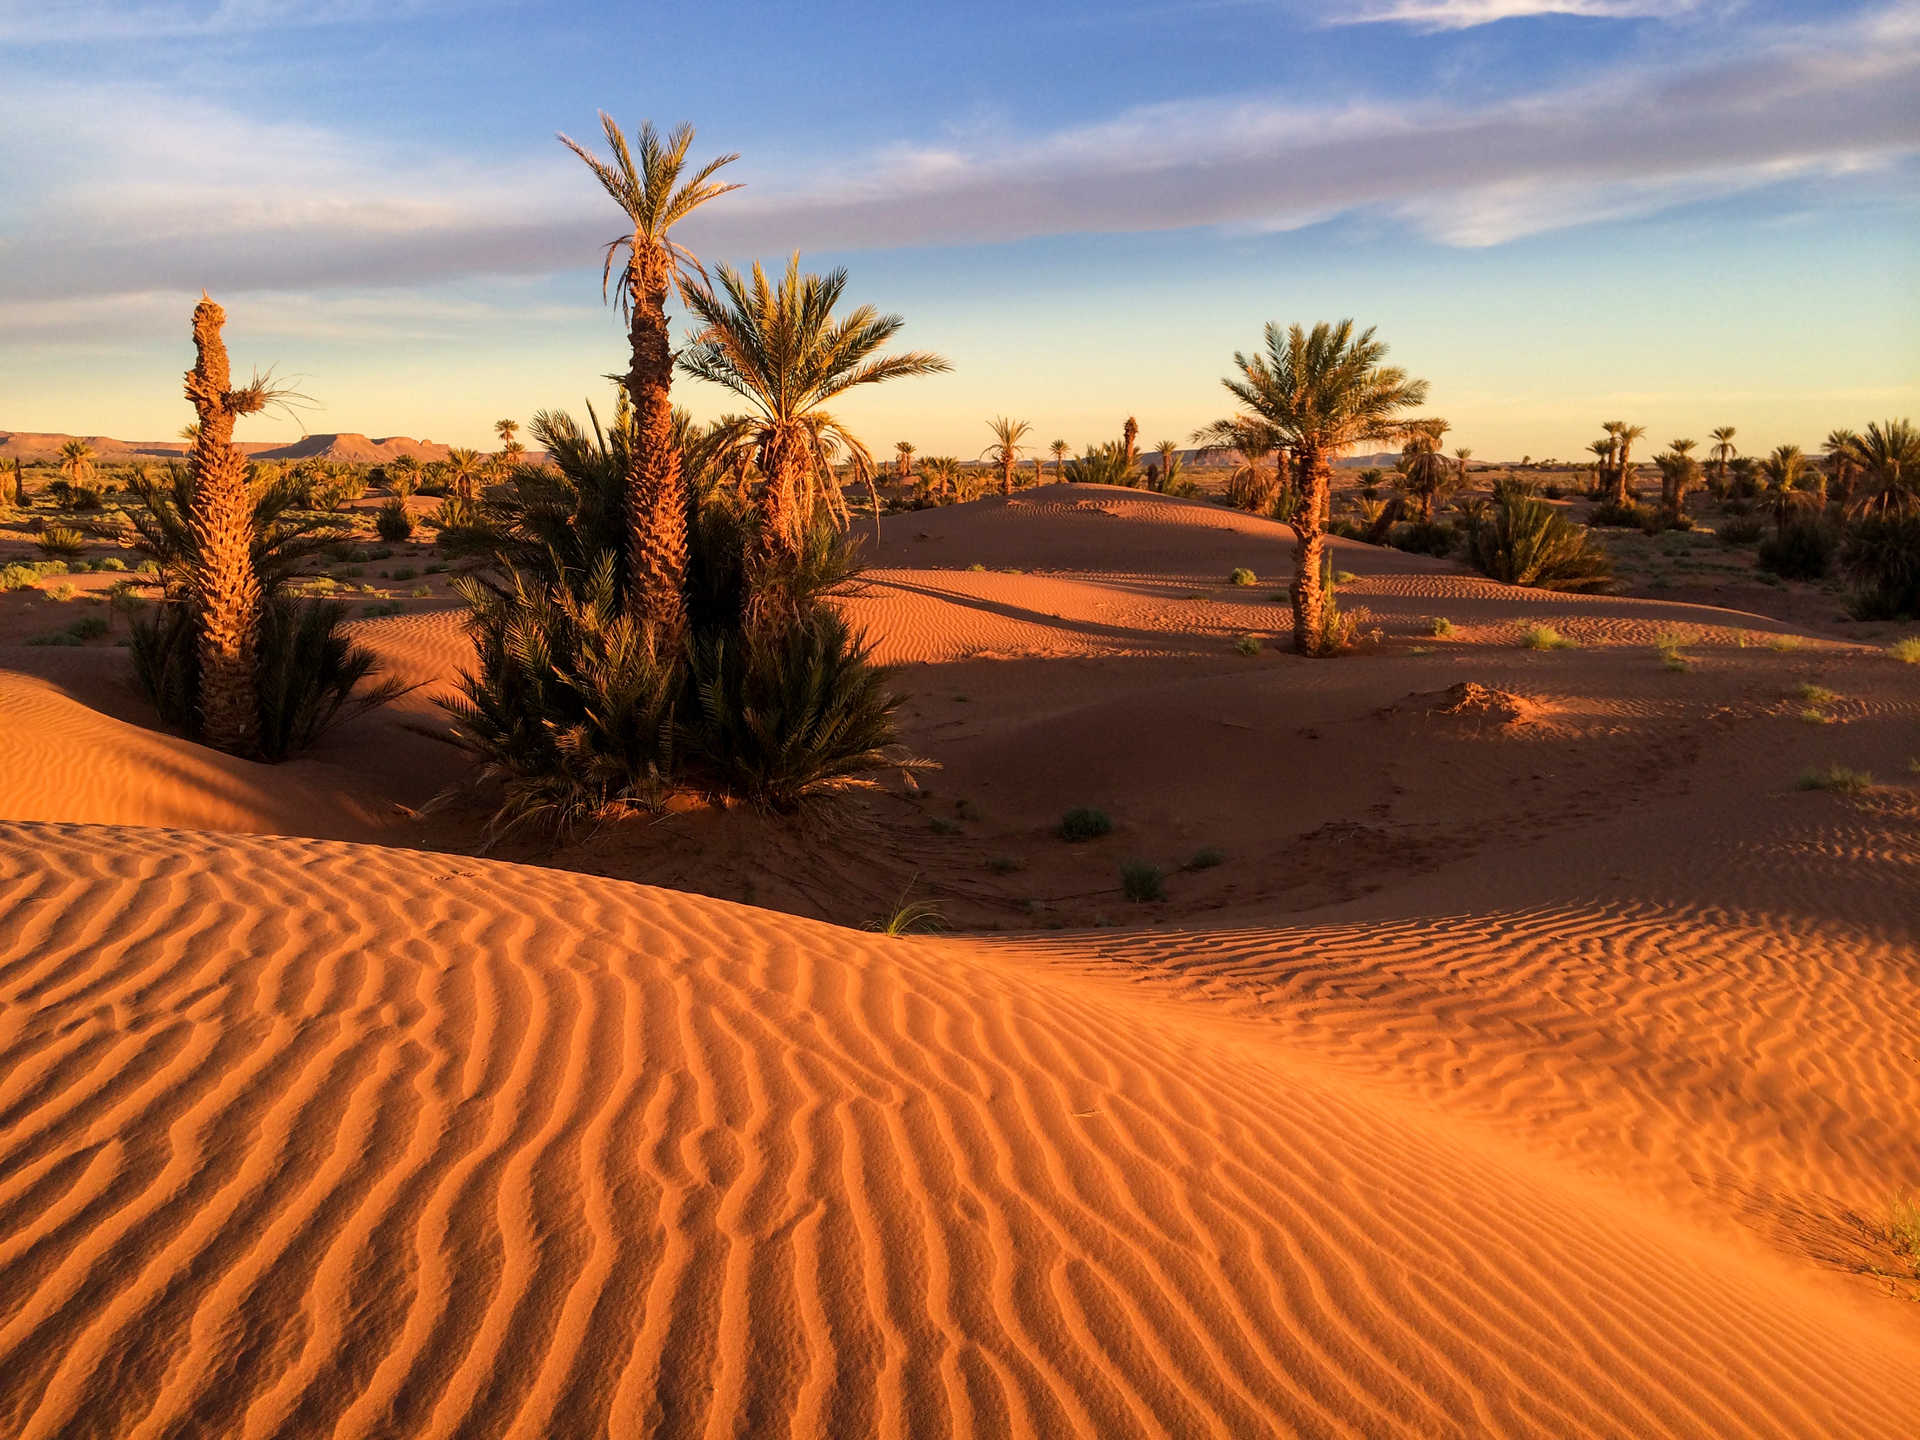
{"points": [[1906, 651], [1247, 645], [1240, 575], [1808, 693], [1836, 779], [1668, 645], [1543, 637], [1440, 627]]}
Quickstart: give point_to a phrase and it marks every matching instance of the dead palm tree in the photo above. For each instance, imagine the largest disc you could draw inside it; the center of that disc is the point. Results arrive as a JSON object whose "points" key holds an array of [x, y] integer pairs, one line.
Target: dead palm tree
{"points": [[1721, 454], [1059, 449], [1129, 434], [656, 194], [1006, 449], [226, 592], [780, 348], [1320, 392]]}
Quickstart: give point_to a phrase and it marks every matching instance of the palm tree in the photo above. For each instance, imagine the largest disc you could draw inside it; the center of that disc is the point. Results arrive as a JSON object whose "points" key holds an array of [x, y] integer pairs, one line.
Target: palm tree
{"points": [[1169, 453], [1678, 471], [1129, 433], [1786, 472], [656, 195], [511, 450], [1721, 454], [941, 474], [1842, 461], [1253, 484], [463, 473], [1320, 393], [1006, 449], [1059, 449], [1602, 452], [1888, 456], [1461, 456], [1424, 472], [76, 461], [903, 460], [780, 348], [226, 584]]}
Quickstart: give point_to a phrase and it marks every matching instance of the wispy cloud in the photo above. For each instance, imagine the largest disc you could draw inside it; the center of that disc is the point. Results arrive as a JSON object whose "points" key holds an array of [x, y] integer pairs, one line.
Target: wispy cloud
{"points": [[87, 22], [1465, 14], [115, 193]]}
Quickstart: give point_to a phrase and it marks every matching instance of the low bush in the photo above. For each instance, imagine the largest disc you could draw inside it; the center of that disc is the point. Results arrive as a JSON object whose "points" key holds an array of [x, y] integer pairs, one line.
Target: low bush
{"points": [[1740, 530], [1836, 778], [1240, 575], [392, 521], [1612, 514], [1247, 645], [1440, 627], [1524, 541], [1084, 823], [1428, 537], [1799, 550], [61, 540], [1142, 883], [1206, 858], [1907, 650], [1881, 557], [1543, 637]]}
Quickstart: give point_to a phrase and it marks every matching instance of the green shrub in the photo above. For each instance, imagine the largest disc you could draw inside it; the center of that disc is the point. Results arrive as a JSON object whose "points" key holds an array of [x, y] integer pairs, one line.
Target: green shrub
{"points": [[1084, 823], [1435, 538], [1524, 541], [1206, 858], [1809, 693], [61, 540], [1799, 550], [1240, 575], [1247, 645], [1543, 637], [1836, 778], [1740, 530], [392, 521], [1612, 514], [1141, 882], [1004, 865], [1440, 627], [1881, 557], [92, 627]]}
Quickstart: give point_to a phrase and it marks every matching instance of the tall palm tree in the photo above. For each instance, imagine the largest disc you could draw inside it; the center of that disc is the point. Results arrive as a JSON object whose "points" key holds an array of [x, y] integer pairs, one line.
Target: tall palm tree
{"points": [[1129, 434], [1721, 453], [1625, 435], [1169, 453], [1424, 472], [226, 585], [780, 348], [656, 193], [1888, 456], [1320, 393], [1602, 452], [1059, 449], [1842, 460], [1006, 449], [1461, 456], [463, 473], [1786, 472], [903, 460]]}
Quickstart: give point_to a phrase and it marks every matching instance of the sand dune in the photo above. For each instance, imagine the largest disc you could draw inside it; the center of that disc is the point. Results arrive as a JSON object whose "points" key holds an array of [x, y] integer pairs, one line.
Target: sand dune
{"points": [[308, 1133], [1537, 1068]]}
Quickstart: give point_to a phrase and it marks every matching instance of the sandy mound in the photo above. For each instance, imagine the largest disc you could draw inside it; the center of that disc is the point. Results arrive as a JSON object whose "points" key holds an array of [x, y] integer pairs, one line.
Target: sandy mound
{"points": [[350, 1141], [65, 761]]}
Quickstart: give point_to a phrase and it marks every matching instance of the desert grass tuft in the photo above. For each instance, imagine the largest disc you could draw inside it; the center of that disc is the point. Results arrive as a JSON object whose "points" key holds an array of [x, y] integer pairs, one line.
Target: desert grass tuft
{"points": [[1440, 627], [1240, 575], [1141, 882], [910, 917], [1808, 693], [1906, 651], [1247, 645], [1543, 637], [1206, 858], [1836, 779]]}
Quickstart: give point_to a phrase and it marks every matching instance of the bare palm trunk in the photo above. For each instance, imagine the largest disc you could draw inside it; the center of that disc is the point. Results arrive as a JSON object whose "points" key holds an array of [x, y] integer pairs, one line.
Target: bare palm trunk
{"points": [[777, 543], [873, 501], [1006, 475], [1309, 549], [655, 488], [226, 591]]}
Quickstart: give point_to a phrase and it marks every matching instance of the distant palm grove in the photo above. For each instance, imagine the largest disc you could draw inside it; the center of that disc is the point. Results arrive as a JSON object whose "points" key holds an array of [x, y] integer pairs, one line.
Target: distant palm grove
{"points": [[651, 599]]}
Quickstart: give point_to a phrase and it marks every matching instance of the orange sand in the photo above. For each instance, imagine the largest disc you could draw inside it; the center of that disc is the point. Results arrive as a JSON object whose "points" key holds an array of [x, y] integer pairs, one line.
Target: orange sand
{"points": [[1534, 1072]]}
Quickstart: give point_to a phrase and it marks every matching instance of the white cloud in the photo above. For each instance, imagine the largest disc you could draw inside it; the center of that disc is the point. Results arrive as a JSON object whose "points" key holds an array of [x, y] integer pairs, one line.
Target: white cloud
{"points": [[1465, 14], [74, 22], [119, 192]]}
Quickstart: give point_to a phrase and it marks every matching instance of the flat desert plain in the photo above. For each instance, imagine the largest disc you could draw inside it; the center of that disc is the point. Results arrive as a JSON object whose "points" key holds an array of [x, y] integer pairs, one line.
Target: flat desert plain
{"points": [[1517, 1050]]}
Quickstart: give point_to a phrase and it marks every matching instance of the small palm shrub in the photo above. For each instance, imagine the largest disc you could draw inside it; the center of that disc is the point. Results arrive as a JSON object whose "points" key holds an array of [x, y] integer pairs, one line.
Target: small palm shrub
{"points": [[1142, 883], [1881, 557], [392, 522], [1799, 550], [1424, 537], [76, 495], [1107, 464], [1084, 823], [61, 540], [1524, 541]]}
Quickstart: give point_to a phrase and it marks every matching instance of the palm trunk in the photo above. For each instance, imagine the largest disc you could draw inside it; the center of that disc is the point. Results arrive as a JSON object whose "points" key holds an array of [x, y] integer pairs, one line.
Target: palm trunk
{"points": [[1620, 492], [1006, 476], [655, 488], [226, 590], [1309, 548], [873, 500], [777, 543]]}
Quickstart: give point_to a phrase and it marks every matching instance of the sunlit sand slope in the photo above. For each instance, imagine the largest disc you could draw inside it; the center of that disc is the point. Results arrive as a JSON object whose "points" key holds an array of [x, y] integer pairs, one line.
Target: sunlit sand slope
{"points": [[308, 1138]]}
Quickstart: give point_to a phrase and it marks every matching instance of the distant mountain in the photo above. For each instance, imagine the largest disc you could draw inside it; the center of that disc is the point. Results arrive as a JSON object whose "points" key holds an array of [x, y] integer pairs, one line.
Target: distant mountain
{"points": [[358, 449]]}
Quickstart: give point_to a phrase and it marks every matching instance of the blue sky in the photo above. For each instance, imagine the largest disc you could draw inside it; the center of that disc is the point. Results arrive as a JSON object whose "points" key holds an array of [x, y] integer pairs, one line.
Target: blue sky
{"points": [[1558, 211]]}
